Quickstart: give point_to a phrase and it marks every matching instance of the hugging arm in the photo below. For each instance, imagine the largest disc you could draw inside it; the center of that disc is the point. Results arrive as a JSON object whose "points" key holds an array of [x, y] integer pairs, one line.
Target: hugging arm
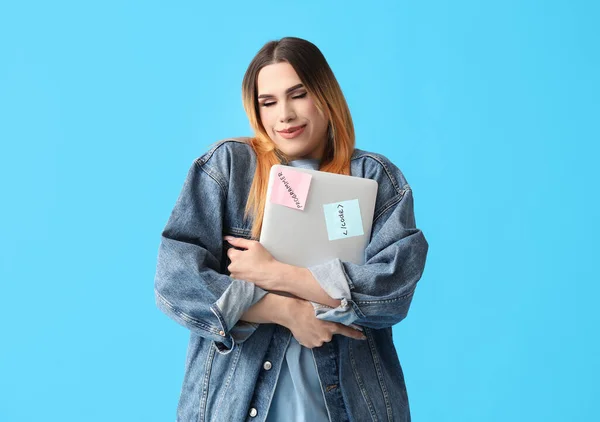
{"points": [[378, 293], [189, 284]]}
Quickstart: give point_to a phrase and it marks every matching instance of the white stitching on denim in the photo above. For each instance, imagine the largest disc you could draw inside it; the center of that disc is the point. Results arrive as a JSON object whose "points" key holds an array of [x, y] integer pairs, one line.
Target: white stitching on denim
{"points": [[321, 385], [376, 158], [375, 357], [229, 377], [205, 381], [207, 156], [360, 383], [396, 299], [395, 200], [184, 316], [214, 177], [240, 231]]}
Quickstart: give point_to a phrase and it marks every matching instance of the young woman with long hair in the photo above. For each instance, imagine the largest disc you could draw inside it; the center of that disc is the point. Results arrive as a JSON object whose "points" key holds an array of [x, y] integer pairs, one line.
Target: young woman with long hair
{"points": [[270, 341]]}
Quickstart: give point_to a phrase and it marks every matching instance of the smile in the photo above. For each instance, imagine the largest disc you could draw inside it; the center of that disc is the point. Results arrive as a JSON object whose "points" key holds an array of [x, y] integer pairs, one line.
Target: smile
{"points": [[295, 133]]}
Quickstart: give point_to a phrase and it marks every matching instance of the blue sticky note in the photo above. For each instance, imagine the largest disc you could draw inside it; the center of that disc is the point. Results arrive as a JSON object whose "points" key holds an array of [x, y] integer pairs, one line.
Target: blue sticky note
{"points": [[343, 219]]}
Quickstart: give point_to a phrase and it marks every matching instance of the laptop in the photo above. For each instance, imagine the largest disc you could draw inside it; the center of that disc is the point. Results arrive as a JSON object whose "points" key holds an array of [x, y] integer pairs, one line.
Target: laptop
{"points": [[313, 216]]}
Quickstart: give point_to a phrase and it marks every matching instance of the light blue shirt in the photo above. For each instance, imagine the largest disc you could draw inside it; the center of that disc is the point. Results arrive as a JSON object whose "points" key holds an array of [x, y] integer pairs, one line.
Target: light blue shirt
{"points": [[298, 396]]}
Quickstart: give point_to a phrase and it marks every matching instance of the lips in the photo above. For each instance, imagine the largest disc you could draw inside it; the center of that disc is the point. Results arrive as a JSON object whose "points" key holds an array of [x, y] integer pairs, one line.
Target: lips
{"points": [[291, 132], [291, 129]]}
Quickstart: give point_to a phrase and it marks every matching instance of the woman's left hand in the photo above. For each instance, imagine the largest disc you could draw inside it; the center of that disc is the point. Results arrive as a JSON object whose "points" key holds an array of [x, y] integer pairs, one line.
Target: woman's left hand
{"points": [[254, 264]]}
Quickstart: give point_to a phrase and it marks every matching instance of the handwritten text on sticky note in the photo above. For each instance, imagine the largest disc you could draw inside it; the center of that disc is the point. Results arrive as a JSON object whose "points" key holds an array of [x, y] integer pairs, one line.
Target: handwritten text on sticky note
{"points": [[290, 188], [343, 219]]}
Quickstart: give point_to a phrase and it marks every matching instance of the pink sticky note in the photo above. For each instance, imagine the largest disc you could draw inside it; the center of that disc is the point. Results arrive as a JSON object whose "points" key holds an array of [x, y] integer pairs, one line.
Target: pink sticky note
{"points": [[290, 188]]}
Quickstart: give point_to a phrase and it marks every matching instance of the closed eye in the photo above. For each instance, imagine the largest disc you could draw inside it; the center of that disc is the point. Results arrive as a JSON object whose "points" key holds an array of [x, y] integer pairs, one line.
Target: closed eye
{"points": [[268, 104]]}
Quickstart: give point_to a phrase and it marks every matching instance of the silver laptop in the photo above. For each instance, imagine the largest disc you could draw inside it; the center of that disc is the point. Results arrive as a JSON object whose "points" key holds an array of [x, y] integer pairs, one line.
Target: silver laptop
{"points": [[313, 217]]}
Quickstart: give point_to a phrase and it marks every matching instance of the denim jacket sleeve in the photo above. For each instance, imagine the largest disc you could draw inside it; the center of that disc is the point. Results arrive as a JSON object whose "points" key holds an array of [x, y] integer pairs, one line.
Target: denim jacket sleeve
{"points": [[378, 293], [190, 286]]}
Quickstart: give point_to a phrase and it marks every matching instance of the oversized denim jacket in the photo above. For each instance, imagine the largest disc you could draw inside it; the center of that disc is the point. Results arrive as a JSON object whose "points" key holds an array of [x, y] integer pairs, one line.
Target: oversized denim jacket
{"points": [[232, 366]]}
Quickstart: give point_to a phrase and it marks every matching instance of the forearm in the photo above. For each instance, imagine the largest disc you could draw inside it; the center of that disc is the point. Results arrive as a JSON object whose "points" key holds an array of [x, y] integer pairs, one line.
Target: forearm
{"points": [[272, 308], [301, 283]]}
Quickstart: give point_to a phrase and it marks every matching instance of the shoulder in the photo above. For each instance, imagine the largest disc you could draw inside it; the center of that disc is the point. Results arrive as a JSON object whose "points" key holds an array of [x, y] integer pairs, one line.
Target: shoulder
{"points": [[379, 168], [224, 151], [392, 185], [230, 161]]}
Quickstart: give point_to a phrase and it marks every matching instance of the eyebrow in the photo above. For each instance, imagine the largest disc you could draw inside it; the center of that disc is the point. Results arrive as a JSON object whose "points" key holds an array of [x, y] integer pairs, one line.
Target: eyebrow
{"points": [[287, 91]]}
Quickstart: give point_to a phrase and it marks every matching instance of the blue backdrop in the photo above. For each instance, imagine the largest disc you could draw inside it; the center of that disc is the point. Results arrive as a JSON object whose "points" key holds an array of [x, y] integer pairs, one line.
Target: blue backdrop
{"points": [[490, 109]]}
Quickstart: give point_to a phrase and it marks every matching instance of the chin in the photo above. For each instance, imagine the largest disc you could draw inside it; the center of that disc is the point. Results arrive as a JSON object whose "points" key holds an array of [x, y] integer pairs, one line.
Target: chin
{"points": [[298, 153], [290, 151]]}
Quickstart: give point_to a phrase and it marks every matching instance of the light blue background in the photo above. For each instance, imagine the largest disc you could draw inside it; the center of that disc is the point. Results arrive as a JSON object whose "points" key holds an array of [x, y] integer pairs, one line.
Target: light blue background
{"points": [[491, 109]]}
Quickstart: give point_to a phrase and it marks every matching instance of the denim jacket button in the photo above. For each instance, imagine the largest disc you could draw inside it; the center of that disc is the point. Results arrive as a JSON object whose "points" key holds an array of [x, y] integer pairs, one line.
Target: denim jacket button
{"points": [[222, 332], [344, 303], [267, 365], [253, 412]]}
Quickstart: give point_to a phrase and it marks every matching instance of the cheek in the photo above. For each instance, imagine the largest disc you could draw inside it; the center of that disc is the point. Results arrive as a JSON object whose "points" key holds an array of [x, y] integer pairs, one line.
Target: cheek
{"points": [[310, 110], [266, 117], [263, 114], [318, 121]]}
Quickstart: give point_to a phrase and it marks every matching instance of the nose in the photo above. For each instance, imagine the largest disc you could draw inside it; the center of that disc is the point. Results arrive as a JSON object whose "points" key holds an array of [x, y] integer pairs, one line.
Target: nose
{"points": [[286, 112]]}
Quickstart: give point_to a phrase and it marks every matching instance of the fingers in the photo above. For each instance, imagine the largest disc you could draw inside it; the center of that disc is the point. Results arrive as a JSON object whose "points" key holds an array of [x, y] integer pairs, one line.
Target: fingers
{"points": [[350, 332], [232, 253], [240, 242], [317, 340]]}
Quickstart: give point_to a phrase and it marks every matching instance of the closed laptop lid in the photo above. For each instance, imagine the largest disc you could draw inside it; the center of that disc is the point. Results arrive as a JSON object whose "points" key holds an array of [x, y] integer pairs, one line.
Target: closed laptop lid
{"points": [[312, 216]]}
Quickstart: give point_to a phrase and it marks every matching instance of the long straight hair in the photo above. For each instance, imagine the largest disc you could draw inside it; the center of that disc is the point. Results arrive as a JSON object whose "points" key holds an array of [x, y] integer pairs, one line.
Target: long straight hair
{"points": [[319, 80]]}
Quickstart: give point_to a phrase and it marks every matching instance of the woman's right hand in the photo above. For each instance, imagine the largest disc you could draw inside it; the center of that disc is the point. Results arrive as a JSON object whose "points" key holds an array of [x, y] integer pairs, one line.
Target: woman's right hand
{"points": [[311, 331]]}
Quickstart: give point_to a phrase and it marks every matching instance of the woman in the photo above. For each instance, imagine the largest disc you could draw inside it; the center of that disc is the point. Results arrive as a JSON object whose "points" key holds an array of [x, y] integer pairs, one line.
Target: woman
{"points": [[256, 354]]}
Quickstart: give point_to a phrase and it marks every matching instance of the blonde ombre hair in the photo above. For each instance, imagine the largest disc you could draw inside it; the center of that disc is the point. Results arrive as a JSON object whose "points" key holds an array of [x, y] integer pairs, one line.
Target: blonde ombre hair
{"points": [[319, 80]]}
